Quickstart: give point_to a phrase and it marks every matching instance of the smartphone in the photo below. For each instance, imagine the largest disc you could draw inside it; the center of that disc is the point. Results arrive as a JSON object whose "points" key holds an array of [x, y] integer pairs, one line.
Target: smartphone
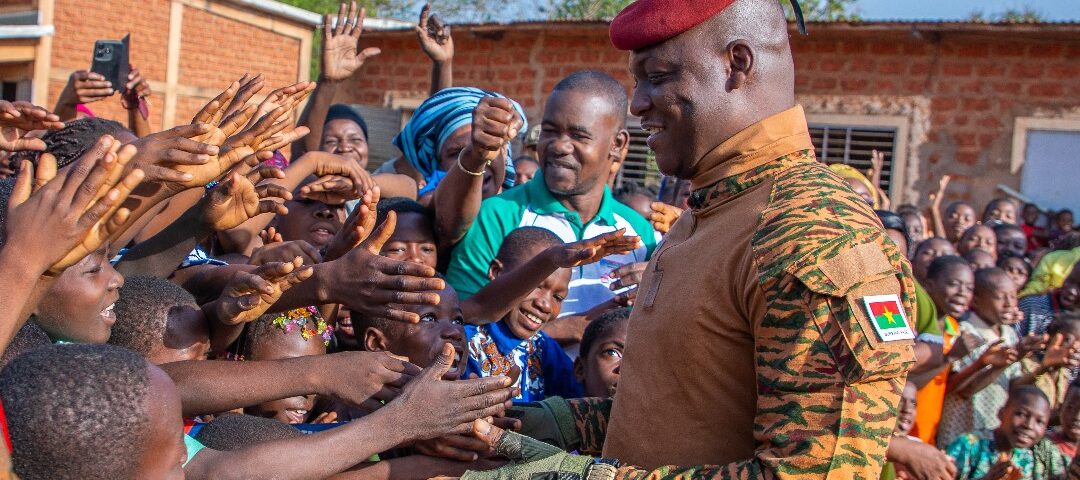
{"points": [[111, 61]]}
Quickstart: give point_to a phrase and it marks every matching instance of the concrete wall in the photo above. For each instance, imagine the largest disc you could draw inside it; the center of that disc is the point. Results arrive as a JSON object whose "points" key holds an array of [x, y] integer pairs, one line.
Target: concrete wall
{"points": [[958, 92]]}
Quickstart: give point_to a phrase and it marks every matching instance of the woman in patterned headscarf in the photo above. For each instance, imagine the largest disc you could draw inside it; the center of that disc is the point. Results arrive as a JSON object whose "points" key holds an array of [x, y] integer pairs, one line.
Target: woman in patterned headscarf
{"points": [[440, 128]]}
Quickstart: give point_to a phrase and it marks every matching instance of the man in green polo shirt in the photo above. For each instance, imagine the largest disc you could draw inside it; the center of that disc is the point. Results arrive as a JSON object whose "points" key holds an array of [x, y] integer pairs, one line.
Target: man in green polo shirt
{"points": [[581, 141]]}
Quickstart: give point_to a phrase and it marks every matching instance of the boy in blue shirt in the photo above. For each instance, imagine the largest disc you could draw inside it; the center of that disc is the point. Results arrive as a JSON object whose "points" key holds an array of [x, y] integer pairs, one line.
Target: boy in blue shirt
{"points": [[516, 339]]}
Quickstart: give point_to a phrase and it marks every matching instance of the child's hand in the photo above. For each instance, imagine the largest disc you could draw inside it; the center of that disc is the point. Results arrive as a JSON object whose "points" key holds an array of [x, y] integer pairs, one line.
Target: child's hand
{"points": [[664, 216], [285, 252], [1031, 343], [171, 155], [594, 249], [330, 187], [18, 118], [249, 295], [288, 97], [999, 355], [379, 287], [495, 123], [628, 275], [237, 200], [964, 345], [430, 407], [137, 88], [1061, 353], [1003, 470], [270, 235], [357, 227], [434, 36], [77, 212], [464, 448]]}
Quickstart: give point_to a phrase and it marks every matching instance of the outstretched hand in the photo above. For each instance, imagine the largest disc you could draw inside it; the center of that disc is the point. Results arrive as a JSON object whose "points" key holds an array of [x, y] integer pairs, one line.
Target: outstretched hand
{"points": [[249, 295], [339, 57], [18, 118], [77, 211], [594, 249], [357, 227], [236, 199]]}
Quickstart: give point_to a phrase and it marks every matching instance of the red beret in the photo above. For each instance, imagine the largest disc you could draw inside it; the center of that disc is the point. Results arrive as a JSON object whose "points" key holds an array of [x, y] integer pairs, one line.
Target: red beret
{"points": [[649, 22]]}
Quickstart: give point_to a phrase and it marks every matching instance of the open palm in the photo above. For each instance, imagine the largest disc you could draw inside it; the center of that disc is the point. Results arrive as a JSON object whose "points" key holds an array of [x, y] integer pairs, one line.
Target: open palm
{"points": [[339, 57]]}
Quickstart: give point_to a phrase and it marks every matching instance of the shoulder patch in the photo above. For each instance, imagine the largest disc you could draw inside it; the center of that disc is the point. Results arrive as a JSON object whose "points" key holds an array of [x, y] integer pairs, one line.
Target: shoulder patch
{"points": [[888, 317]]}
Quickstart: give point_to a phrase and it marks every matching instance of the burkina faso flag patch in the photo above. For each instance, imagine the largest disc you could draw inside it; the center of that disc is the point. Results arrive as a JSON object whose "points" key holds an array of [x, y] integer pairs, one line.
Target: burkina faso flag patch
{"points": [[888, 317]]}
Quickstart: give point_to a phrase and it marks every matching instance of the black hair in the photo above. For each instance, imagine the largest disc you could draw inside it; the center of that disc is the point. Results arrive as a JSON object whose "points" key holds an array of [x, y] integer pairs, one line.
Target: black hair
{"points": [[1001, 228], [985, 277], [601, 84], [1027, 391], [71, 142], [142, 312], [907, 209], [926, 243], [971, 254], [28, 338], [76, 411], [893, 221], [1062, 212], [401, 205], [234, 431], [944, 263], [7, 185], [955, 205], [1004, 257], [1064, 322], [263, 327], [601, 326], [995, 202], [629, 189], [344, 111], [521, 240], [526, 158]]}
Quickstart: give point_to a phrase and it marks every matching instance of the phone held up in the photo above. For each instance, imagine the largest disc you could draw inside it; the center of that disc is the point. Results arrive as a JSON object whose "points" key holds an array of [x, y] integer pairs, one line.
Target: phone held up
{"points": [[111, 61]]}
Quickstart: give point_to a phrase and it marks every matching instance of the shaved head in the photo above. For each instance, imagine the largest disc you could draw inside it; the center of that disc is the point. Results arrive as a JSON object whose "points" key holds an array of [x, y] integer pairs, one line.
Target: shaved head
{"points": [[700, 88]]}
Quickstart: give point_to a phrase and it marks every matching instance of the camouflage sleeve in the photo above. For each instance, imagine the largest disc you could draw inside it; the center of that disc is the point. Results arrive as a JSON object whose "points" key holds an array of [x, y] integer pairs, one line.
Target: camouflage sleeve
{"points": [[578, 424], [828, 386], [591, 418]]}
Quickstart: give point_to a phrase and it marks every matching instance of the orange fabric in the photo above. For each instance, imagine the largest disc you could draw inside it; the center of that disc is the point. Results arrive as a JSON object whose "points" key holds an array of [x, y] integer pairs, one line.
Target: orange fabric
{"points": [[930, 398]]}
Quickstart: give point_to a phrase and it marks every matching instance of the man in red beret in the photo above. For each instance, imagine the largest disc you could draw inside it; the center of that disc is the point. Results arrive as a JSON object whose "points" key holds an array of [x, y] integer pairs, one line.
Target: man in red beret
{"points": [[771, 334]]}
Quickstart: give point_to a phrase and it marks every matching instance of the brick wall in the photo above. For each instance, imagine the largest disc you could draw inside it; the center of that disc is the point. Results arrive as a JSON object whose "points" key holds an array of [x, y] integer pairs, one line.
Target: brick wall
{"points": [[215, 49], [962, 90]]}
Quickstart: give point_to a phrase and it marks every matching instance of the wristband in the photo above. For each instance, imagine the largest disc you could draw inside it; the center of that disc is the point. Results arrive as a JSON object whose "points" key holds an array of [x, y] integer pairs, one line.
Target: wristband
{"points": [[475, 174]]}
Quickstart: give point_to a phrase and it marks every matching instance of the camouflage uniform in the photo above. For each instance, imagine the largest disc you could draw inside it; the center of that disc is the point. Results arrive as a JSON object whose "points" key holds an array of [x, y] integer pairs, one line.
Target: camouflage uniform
{"points": [[824, 386]]}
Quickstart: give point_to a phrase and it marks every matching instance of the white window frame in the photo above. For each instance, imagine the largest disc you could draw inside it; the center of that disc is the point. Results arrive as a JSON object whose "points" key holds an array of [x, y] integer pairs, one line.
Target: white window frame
{"points": [[1023, 125], [902, 124]]}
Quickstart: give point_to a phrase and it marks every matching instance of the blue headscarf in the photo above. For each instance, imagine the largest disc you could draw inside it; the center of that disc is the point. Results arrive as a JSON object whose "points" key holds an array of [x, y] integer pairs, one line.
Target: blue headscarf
{"points": [[432, 123]]}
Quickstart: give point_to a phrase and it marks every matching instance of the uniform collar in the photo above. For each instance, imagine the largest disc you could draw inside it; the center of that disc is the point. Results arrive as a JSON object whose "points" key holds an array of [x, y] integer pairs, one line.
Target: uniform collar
{"points": [[745, 157], [543, 202]]}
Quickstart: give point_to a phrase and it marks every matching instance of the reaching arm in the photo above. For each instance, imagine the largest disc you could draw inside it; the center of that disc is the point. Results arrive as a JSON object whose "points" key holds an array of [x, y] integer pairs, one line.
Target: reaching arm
{"points": [[438, 45], [982, 372], [133, 98], [935, 207]]}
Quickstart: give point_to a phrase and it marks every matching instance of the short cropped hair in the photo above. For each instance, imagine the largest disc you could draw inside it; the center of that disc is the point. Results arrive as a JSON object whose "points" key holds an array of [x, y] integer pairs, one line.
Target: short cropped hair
{"points": [[603, 324], [521, 241], [601, 84], [985, 278], [629, 189], [142, 312], [28, 338], [401, 205], [234, 431], [944, 263], [76, 411]]}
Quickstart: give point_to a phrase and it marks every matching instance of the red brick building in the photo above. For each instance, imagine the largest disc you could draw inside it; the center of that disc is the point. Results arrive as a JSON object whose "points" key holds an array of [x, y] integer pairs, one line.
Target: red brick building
{"points": [[187, 49], [989, 104]]}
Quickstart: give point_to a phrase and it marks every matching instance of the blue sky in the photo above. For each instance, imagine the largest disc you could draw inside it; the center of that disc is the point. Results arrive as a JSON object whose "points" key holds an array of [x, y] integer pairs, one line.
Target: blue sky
{"points": [[962, 9]]}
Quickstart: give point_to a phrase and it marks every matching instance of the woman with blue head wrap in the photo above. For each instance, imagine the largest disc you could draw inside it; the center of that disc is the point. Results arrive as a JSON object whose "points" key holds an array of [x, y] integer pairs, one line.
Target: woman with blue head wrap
{"points": [[440, 128]]}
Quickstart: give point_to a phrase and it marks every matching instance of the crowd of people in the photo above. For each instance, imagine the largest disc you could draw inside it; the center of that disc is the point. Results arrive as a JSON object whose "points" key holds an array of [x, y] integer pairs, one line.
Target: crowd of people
{"points": [[220, 299]]}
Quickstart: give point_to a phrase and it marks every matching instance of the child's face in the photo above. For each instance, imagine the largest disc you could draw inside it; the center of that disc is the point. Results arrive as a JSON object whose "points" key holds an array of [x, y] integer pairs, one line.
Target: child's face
{"points": [[1024, 420], [541, 306], [1064, 221], [164, 453], [979, 237], [1004, 212], [1069, 294], [861, 190], [312, 221], [1011, 242], [1031, 214], [997, 304], [906, 417], [280, 345], [953, 290], [1017, 269], [79, 305], [927, 252], [525, 171], [1070, 415], [599, 373], [186, 337], [412, 241], [958, 219], [915, 228], [422, 342]]}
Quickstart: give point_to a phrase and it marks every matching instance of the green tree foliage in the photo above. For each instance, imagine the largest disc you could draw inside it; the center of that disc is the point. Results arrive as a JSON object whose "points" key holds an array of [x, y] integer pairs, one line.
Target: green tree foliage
{"points": [[1017, 15]]}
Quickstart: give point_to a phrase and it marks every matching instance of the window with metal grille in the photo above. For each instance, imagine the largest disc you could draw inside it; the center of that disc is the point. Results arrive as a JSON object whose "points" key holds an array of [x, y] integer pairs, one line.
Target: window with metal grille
{"points": [[853, 145], [640, 165]]}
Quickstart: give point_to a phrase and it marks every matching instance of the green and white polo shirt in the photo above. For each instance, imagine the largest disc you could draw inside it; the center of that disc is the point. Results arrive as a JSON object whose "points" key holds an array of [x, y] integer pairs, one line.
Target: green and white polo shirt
{"points": [[532, 204]]}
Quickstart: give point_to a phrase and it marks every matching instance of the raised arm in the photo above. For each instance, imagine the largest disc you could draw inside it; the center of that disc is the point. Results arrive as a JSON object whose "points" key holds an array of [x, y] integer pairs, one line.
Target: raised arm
{"points": [[458, 196], [133, 98], [935, 206], [438, 45], [339, 62]]}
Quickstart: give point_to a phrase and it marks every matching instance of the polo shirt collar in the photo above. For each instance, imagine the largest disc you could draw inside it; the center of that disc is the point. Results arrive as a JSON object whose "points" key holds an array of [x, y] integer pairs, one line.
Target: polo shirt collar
{"points": [[543, 202]]}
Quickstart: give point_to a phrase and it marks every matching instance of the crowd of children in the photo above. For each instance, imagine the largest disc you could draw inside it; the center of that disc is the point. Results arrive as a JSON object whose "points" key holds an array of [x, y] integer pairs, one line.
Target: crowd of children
{"points": [[195, 302]]}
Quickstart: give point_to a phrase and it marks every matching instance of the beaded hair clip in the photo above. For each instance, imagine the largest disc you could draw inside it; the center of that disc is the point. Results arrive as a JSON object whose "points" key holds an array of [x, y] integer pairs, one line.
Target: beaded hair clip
{"points": [[308, 320]]}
